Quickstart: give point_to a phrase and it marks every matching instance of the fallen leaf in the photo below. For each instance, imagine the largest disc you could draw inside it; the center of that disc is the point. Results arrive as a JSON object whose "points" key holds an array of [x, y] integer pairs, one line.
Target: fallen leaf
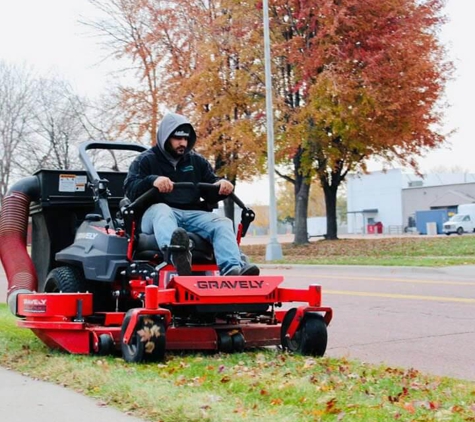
{"points": [[309, 363], [331, 406]]}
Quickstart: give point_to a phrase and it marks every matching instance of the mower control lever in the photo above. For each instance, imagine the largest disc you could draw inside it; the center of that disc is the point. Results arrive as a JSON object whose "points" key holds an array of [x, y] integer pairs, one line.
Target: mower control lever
{"points": [[100, 186], [247, 217], [153, 196]]}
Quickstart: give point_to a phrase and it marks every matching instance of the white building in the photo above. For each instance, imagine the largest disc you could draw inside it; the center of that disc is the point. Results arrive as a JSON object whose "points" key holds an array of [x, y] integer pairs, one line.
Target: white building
{"points": [[391, 197]]}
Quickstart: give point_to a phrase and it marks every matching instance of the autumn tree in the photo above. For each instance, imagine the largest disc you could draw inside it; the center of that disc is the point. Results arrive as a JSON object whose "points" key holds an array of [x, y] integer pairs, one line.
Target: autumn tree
{"points": [[197, 58], [286, 202], [225, 89], [126, 28], [356, 79]]}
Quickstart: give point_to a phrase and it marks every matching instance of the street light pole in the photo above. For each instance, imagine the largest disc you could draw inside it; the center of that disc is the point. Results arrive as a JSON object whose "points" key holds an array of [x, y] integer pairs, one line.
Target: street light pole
{"points": [[273, 249]]}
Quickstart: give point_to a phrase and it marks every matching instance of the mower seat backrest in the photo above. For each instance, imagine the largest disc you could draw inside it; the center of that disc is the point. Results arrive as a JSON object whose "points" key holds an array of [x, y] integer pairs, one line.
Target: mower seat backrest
{"points": [[147, 249]]}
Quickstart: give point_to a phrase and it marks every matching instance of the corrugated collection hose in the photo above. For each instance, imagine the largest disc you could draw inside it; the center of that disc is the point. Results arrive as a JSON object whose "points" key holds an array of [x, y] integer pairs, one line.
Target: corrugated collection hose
{"points": [[19, 268]]}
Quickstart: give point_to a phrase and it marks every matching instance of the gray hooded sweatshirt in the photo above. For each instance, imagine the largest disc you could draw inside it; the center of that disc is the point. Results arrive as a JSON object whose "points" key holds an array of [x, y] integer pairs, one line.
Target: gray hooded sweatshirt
{"points": [[157, 161]]}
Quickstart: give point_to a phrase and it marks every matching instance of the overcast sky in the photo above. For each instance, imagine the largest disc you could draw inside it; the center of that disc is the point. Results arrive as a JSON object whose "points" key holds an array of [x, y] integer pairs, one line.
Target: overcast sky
{"points": [[46, 34]]}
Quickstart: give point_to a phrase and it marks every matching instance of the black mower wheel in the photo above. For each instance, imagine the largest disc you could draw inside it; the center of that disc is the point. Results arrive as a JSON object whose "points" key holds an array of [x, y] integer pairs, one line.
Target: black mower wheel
{"points": [[238, 342], [106, 345], [147, 342], [66, 280], [310, 338], [225, 342]]}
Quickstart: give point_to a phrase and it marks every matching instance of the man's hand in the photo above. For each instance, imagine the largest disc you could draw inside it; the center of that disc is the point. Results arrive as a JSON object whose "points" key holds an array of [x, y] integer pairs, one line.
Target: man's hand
{"points": [[225, 187], [163, 184]]}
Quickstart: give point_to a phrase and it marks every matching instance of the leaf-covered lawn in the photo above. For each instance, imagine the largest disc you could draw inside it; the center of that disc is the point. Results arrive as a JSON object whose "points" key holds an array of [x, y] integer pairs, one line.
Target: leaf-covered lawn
{"points": [[263, 385], [414, 251]]}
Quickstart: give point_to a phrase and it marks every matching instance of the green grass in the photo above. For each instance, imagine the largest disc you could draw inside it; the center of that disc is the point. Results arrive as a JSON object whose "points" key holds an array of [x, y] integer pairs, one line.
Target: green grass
{"points": [[262, 385], [265, 385], [401, 251]]}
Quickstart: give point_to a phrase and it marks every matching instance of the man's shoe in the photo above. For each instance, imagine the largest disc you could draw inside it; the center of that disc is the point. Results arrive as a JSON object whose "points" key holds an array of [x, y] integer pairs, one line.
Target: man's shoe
{"points": [[233, 271], [180, 251], [248, 269]]}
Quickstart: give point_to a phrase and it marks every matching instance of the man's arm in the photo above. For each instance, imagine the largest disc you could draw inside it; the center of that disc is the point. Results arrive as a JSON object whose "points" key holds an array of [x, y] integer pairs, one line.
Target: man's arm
{"points": [[225, 187], [138, 180], [208, 176]]}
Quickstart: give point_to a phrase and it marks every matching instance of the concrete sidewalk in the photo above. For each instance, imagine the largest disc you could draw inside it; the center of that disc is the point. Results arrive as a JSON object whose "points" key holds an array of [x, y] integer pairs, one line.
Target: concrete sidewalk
{"points": [[26, 399]]}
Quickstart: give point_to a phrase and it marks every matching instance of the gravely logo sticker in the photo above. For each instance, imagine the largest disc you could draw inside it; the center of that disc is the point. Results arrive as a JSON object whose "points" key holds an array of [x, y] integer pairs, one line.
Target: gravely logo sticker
{"points": [[34, 305], [229, 284]]}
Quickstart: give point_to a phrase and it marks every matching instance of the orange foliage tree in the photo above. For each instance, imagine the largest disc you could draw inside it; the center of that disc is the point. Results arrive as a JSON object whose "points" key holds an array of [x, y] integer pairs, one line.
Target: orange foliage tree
{"points": [[352, 79], [223, 92], [356, 79], [201, 59], [286, 202]]}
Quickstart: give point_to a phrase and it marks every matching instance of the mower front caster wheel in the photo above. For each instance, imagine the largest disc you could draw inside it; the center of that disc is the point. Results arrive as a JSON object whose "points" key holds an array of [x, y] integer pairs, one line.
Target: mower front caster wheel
{"points": [[147, 342], [311, 336], [230, 342], [105, 345], [225, 342], [238, 342]]}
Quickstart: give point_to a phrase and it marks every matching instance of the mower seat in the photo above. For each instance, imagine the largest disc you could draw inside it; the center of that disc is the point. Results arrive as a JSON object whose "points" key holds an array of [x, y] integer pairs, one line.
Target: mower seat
{"points": [[147, 249]]}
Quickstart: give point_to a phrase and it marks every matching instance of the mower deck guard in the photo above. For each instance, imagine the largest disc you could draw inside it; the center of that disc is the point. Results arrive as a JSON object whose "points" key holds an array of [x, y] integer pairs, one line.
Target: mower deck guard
{"points": [[66, 321]]}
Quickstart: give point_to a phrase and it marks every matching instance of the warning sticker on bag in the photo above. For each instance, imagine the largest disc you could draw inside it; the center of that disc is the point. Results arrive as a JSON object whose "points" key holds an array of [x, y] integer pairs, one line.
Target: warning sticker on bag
{"points": [[72, 183]]}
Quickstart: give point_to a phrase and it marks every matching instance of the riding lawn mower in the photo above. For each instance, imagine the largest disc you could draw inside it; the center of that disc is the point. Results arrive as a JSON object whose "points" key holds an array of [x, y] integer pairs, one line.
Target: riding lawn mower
{"points": [[93, 283]]}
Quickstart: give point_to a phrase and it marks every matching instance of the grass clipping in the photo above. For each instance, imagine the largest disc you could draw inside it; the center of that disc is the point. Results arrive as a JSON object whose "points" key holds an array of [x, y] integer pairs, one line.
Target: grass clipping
{"points": [[263, 385]]}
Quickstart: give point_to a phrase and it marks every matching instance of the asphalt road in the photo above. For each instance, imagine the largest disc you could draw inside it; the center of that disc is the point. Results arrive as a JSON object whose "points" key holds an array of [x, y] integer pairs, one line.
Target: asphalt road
{"points": [[422, 318]]}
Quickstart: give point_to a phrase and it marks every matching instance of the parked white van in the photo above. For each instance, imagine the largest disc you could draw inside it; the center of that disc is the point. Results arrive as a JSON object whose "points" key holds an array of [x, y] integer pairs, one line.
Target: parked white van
{"points": [[463, 221]]}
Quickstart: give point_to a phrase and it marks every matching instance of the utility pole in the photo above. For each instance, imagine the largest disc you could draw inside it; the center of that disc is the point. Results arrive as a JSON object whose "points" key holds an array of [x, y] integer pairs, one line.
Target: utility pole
{"points": [[273, 249]]}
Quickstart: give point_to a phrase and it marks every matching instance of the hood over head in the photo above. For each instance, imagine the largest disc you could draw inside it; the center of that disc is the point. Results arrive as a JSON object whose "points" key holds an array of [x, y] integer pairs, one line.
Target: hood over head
{"points": [[179, 125]]}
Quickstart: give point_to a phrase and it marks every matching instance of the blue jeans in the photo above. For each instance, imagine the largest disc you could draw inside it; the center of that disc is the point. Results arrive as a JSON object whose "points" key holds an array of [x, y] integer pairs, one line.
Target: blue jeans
{"points": [[161, 220]]}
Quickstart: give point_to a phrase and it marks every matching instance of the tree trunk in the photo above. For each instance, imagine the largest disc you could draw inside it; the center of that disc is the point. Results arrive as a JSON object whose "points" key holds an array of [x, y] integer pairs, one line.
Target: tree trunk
{"points": [[330, 183], [330, 204], [302, 191]]}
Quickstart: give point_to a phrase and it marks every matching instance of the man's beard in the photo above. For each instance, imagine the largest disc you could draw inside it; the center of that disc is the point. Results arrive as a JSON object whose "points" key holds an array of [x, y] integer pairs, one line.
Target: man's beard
{"points": [[174, 153], [179, 152]]}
